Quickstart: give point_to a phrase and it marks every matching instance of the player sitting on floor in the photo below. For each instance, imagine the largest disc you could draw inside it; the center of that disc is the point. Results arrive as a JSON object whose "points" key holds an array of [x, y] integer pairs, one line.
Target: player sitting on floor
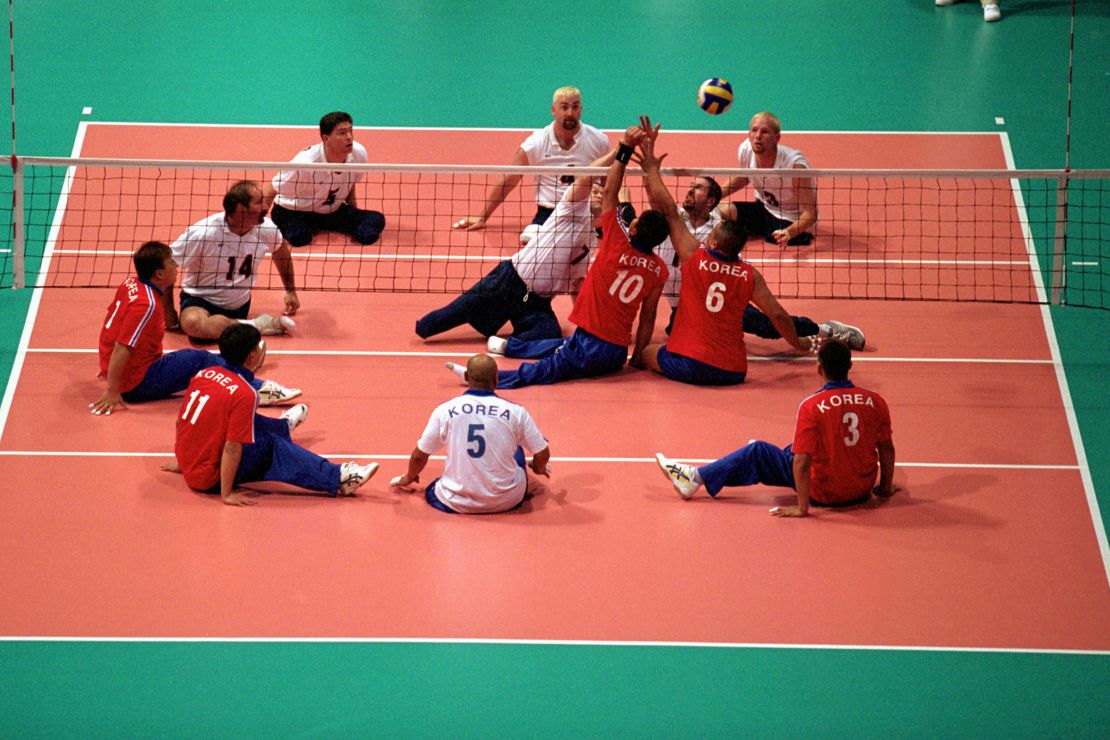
{"points": [[131, 357], [220, 256], [842, 443], [485, 436], [223, 443]]}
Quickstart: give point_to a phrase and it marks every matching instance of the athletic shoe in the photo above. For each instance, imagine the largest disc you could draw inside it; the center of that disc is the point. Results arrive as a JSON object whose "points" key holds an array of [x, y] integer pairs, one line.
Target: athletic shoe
{"points": [[270, 325], [272, 393], [683, 477], [496, 345], [352, 476], [945, 2], [992, 13], [295, 416], [850, 335], [458, 370]]}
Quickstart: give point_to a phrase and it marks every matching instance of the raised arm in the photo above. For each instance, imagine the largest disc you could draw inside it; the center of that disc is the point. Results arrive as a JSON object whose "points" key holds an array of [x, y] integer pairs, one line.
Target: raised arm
{"points": [[497, 194], [610, 196], [685, 243], [580, 190]]}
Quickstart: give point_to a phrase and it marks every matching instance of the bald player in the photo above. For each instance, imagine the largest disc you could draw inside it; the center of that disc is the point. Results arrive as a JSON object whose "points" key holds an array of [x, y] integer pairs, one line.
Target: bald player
{"points": [[485, 436], [564, 141]]}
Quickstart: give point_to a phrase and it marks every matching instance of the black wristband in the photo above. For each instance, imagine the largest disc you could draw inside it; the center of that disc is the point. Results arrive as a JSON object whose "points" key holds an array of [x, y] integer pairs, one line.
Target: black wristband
{"points": [[624, 153]]}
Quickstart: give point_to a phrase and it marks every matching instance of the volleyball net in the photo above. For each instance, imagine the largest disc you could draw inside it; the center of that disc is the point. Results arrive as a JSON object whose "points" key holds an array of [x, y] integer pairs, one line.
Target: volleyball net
{"points": [[1003, 236]]}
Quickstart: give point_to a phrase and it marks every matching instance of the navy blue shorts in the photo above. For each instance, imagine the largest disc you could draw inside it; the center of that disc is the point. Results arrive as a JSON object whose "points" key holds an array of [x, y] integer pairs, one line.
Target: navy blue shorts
{"points": [[188, 299], [755, 217], [687, 370]]}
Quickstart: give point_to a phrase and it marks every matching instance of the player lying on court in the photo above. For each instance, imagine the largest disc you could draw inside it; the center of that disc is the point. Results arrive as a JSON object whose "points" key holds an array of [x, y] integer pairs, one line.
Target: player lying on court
{"points": [[706, 346], [842, 444], [485, 438], [701, 214], [223, 443], [520, 289], [220, 255], [626, 278], [131, 357]]}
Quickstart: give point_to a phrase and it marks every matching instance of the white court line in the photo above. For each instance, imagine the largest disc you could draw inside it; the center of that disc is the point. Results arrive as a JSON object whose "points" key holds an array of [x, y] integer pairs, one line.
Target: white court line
{"points": [[568, 643]]}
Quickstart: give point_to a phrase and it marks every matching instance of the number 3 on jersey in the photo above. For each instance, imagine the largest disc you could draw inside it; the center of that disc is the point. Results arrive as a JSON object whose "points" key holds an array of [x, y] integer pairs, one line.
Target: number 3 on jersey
{"points": [[851, 420]]}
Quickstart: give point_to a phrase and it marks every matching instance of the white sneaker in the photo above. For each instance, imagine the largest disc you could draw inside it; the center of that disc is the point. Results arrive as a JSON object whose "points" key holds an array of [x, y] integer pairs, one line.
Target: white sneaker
{"points": [[295, 416], [496, 345], [850, 335], [272, 393], [288, 325], [683, 477], [945, 2], [352, 476], [270, 325], [458, 370], [992, 13]]}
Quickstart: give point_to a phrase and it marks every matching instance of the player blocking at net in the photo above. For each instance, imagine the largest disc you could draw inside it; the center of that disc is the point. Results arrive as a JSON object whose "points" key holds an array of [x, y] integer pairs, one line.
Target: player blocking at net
{"points": [[223, 443], [220, 255], [131, 357]]}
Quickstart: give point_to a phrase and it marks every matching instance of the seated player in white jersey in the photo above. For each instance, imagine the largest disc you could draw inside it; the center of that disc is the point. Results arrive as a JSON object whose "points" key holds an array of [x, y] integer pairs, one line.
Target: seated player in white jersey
{"points": [[220, 255], [706, 346], [700, 212], [519, 290], [565, 141], [784, 211], [842, 453], [222, 443], [625, 280], [485, 436], [306, 202]]}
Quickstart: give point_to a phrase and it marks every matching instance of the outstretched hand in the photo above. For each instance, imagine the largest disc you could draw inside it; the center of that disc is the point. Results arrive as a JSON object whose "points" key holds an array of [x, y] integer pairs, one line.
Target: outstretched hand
{"points": [[632, 136], [404, 483], [648, 161]]}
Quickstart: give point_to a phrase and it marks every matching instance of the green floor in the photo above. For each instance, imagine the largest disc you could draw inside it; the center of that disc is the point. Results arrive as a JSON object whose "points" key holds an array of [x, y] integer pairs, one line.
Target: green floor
{"points": [[874, 65]]}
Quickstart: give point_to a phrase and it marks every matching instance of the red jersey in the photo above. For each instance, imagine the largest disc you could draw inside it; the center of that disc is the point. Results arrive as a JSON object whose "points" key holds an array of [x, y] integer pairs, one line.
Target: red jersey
{"points": [[617, 283], [134, 319], [709, 322], [840, 427], [218, 407]]}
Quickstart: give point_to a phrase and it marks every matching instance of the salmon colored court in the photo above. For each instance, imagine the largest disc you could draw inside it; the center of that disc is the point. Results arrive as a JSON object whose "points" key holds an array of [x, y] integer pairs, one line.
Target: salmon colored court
{"points": [[990, 545]]}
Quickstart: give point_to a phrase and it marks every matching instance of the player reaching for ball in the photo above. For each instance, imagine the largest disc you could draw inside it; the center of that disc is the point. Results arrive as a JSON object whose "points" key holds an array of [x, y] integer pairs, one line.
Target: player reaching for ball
{"points": [[485, 438], [785, 209], [565, 141], [131, 357], [842, 445], [222, 443]]}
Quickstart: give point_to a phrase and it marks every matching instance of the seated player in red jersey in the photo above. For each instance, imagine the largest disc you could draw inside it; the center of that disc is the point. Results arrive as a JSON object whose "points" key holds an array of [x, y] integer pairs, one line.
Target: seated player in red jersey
{"points": [[131, 357], [706, 345], [842, 444], [223, 443]]}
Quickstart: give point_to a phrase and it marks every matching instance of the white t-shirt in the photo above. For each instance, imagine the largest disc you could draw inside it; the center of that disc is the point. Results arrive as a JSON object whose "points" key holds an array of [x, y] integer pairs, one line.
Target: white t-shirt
{"points": [[666, 251], [778, 195], [221, 266], [481, 432], [320, 191], [549, 262], [542, 148]]}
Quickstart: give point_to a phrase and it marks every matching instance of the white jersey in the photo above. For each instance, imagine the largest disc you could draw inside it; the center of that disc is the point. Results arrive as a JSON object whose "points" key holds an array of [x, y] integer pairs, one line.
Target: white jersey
{"points": [[542, 148], [221, 266], [320, 191], [482, 432], [558, 252], [666, 251], [779, 196]]}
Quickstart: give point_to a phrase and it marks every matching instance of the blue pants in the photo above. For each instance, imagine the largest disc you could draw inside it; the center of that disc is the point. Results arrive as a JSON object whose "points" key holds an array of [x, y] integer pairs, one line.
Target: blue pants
{"points": [[755, 462], [581, 355], [273, 456], [499, 297], [171, 373], [298, 227], [688, 370], [433, 500]]}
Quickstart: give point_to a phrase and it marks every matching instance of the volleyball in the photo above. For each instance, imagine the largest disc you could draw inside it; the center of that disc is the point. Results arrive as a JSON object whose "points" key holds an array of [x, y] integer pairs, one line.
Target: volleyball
{"points": [[715, 96]]}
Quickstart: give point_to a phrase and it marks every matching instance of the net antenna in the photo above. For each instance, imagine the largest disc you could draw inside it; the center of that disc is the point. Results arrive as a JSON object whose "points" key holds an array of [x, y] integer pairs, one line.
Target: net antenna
{"points": [[1059, 267], [17, 189]]}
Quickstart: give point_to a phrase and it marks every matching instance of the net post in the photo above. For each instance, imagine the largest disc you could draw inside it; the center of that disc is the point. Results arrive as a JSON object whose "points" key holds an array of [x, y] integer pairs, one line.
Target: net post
{"points": [[1060, 242], [18, 277]]}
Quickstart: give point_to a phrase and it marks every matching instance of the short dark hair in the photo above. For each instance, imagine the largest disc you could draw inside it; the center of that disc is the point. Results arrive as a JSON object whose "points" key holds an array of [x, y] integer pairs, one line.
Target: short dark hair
{"points": [[714, 190], [651, 230], [240, 193], [150, 258], [333, 119], [237, 341], [835, 359], [731, 236]]}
